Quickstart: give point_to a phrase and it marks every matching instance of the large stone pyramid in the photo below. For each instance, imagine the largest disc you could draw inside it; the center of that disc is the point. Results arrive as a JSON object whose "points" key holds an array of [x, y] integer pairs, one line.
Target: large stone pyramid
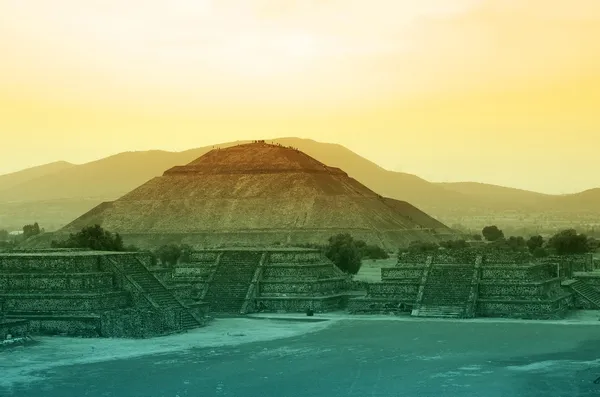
{"points": [[258, 194]]}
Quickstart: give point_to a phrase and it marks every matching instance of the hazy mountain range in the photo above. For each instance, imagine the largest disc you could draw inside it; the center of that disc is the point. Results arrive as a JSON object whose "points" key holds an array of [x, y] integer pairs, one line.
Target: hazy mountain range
{"points": [[56, 193]]}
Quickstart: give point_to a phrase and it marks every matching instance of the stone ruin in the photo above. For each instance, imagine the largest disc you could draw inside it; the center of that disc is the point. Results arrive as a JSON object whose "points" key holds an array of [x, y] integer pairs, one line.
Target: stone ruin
{"points": [[238, 281], [109, 294], [90, 294], [467, 283]]}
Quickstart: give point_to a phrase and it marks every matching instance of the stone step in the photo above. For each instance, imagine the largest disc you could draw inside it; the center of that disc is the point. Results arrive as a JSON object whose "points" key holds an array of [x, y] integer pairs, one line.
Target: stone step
{"points": [[439, 311]]}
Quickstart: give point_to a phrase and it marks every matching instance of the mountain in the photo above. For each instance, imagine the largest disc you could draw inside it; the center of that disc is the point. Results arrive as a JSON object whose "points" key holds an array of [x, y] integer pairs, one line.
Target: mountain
{"points": [[13, 179], [54, 196], [259, 194], [497, 194]]}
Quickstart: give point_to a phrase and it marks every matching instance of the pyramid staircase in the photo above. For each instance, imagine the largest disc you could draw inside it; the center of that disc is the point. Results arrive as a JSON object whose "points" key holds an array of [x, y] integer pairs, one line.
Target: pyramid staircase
{"points": [[157, 290], [230, 282], [446, 292], [586, 291]]}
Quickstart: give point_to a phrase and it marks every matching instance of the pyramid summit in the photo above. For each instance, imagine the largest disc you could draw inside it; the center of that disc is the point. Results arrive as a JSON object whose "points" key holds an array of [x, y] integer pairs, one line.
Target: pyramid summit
{"points": [[258, 194], [254, 157]]}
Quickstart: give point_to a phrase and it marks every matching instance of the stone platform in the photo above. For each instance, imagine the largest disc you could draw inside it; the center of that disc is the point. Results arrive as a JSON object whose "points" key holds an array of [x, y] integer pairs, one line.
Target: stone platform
{"points": [[240, 281], [471, 284], [83, 293]]}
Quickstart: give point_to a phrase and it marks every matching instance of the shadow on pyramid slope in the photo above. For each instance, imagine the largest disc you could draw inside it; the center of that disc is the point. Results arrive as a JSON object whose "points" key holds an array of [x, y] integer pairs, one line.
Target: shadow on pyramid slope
{"points": [[258, 194]]}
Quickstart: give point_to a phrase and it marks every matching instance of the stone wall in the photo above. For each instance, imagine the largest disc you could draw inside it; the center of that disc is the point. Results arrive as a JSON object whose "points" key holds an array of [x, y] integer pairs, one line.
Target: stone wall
{"points": [[519, 291], [413, 258], [465, 256], [549, 309], [15, 328], [84, 294], [504, 257], [87, 326], [368, 305], [305, 272], [209, 257], [45, 303], [139, 323], [530, 273], [591, 279], [50, 282], [193, 270], [401, 291], [572, 263], [300, 287], [295, 257], [298, 304], [60, 263], [402, 273]]}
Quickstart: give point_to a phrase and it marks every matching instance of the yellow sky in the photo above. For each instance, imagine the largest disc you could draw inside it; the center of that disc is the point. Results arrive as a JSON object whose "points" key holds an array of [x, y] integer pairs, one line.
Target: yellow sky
{"points": [[498, 91]]}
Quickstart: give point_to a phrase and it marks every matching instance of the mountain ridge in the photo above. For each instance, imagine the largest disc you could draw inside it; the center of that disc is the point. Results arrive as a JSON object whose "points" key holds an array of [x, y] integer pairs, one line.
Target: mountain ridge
{"points": [[106, 179]]}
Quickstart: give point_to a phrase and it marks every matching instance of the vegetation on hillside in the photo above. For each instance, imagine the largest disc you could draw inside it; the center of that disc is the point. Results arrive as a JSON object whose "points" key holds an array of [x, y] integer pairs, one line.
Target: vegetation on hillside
{"points": [[347, 253], [171, 254], [492, 233], [565, 242], [94, 238], [31, 230]]}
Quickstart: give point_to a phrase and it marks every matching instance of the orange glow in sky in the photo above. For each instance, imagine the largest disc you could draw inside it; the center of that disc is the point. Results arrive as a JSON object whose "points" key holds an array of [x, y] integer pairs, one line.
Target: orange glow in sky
{"points": [[496, 91]]}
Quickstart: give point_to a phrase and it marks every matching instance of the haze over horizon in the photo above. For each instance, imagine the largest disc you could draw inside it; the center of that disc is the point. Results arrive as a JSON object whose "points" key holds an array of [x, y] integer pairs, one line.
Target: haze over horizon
{"points": [[493, 91]]}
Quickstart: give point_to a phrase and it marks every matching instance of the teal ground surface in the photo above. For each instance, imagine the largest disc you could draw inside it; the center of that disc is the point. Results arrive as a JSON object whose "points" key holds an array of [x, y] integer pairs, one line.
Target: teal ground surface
{"points": [[355, 358]]}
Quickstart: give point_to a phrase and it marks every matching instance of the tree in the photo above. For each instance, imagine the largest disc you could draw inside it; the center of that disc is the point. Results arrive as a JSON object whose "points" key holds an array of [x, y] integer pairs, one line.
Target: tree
{"points": [[370, 251], [186, 253], [516, 243], [421, 246], [4, 235], [492, 233], [568, 242], [540, 252], [535, 242], [342, 251], [454, 244], [93, 238], [169, 254], [31, 230], [593, 244], [477, 237]]}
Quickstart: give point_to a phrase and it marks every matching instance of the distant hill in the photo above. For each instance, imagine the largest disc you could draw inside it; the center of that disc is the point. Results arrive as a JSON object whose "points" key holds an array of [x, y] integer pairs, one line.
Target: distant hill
{"points": [[8, 181], [55, 194], [496, 194]]}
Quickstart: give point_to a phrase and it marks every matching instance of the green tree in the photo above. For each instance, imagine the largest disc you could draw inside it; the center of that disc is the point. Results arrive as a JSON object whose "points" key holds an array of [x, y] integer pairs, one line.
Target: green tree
{"points": [[454, 244], [535, 242], [93, 238], [593, 244], [370, 251], [4, 235], [540, 252], [186, 253], [169, 254], [477, 237], [568, 242], [516, 243], [342, 250], [492, 233], [422, 246], [31, 230]]}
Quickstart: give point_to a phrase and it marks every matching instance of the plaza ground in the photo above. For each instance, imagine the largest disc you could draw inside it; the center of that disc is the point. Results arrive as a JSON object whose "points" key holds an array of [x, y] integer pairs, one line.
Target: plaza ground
{"points": [[332, 355]]}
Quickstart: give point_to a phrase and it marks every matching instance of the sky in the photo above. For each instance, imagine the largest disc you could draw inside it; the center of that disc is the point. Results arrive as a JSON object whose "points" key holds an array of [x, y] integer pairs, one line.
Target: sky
{"points": [[495, 91]]}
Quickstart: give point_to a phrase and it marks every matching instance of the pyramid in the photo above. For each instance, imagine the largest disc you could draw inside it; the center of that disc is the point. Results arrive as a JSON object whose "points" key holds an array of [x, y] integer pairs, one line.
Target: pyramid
{"points": [[258, 194]]}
